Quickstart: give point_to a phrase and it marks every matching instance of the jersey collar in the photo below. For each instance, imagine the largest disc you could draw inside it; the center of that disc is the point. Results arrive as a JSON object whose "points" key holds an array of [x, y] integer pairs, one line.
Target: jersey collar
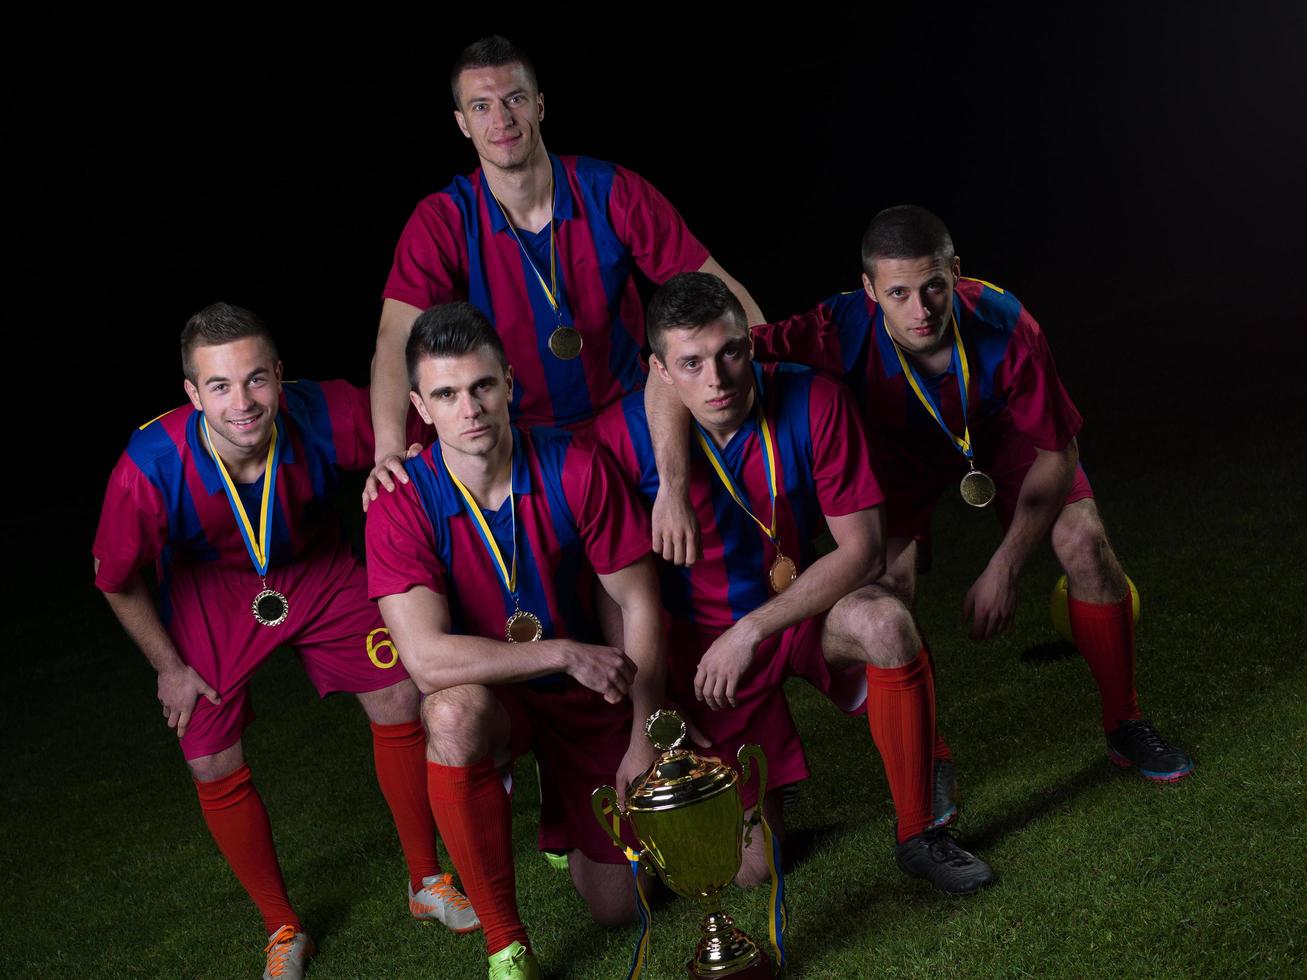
{"points": [[204, 464]]}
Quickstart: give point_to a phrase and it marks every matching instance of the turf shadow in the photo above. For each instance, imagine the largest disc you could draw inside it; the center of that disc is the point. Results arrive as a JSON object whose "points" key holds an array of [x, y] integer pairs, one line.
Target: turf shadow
{"points": [[988, 834], [1049, 652]]}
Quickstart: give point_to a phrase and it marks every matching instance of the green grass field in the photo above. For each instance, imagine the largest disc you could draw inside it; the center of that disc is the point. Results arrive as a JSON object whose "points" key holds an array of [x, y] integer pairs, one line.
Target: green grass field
{"points": [[109, 872]]}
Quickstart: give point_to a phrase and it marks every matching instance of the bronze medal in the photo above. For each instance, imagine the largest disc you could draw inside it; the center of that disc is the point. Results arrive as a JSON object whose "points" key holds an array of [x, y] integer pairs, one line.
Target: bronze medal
{"points": [[783, 573], [977, 489], [565, 343], [522, 627], [270, 608]]}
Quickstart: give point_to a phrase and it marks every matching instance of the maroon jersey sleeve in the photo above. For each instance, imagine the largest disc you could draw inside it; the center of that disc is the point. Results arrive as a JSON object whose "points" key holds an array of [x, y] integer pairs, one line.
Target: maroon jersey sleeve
{"points": [[400, 547], [652, 229], [614, 528], [351, 424], [1040, 406], [810, 339], [429, 260], [133, 527], [841, 462]]}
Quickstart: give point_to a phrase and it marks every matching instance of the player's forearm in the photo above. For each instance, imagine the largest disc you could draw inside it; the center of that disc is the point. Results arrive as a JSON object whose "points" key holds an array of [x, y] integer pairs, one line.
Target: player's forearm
{"points": [[389, 392], [643, 643], [752, 311], [1040, 501], [669, 430], [451, 660], [134, 608]]}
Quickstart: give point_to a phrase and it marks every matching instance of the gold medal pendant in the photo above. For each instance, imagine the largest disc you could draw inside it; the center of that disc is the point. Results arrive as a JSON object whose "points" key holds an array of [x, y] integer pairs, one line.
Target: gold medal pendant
{"points": [[783, 573], [565, 343], [270, 608], [522, 627], [977, 488]]}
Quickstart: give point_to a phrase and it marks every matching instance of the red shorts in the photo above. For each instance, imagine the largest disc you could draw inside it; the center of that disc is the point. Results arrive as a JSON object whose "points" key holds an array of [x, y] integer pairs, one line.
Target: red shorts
{"points": [[579, 740], [912, 490], [331, 622], [761, 714]]}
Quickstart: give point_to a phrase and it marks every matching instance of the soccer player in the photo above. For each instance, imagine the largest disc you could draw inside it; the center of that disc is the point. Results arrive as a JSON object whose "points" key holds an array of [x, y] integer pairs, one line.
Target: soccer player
{"points": [[545, 246], [959, 389], [484, 564], [229, 498], [778, 452]]}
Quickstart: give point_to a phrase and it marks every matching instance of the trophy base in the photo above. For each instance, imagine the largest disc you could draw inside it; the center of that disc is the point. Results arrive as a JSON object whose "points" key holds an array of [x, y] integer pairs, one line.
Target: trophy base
{"points": [[725, 951]]}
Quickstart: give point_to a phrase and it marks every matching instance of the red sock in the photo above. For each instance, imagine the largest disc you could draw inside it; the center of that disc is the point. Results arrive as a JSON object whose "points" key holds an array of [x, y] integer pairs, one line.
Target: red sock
{"points": [[239, 823], [901, 713], [941, 751], [400, 755], [472, 812], [1105, 636]]}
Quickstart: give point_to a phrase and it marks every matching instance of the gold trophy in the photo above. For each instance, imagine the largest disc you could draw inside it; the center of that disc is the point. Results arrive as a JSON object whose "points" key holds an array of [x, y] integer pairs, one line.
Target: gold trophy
{"points": [[687, 814]]}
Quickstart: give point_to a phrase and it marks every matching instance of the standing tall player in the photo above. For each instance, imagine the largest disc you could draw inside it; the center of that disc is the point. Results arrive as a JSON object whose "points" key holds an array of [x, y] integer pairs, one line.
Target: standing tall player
{"points": [[545, 246], [228, 497], [484, 563], [960, 390], [778, 452]]}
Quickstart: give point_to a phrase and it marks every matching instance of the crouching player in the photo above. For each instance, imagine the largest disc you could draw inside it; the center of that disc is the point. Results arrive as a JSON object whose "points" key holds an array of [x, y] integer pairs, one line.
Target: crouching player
{"points": [[484, 564], [776, 451], [229, 498], [958, 383]]}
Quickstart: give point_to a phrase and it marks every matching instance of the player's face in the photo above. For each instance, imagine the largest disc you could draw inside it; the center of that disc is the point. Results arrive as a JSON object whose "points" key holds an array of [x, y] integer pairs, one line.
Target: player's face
{"points": [[500, 112], [917, 297], [466, 398], [710, 368], [237, 386]]}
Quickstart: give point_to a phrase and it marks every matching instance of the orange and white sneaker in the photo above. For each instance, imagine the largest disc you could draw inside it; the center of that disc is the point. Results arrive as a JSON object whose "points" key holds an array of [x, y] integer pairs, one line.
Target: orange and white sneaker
{"points": [[440, 901], [288, 954]]}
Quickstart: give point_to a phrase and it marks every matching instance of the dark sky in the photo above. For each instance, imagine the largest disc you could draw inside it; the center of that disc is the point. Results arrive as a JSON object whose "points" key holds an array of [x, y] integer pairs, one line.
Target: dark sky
{"points": [[1136, 178]]}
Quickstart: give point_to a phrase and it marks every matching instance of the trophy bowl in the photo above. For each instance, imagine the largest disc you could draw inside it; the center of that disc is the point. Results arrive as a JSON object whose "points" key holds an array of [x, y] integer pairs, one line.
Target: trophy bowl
{"points": [[687, 814]]}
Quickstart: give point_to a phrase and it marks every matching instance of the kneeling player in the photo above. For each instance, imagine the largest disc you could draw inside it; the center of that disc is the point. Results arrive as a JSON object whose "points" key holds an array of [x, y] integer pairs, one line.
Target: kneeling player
{"points": [[777, 451], [484, 565], [229, 496], [958, 383]]}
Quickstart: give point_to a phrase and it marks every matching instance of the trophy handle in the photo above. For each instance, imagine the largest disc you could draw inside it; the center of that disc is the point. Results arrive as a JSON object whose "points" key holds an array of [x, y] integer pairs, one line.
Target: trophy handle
{"points": [[608, 811], [753, 754]]}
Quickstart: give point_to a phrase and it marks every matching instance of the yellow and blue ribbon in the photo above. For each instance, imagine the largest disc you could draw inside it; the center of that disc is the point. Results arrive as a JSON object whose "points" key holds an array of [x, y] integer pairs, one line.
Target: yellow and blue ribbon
{"points": [[640, 957], [961, 443], [258, 545], [507, 570], [778, 918], [550, 288], [768, 460]]}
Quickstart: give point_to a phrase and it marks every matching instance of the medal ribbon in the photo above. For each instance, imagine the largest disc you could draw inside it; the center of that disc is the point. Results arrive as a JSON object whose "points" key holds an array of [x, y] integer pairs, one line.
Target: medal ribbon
{"points": [[769, 464], [259, 547], [779, 917], [961, 444], [551, 288], [507, 572]]}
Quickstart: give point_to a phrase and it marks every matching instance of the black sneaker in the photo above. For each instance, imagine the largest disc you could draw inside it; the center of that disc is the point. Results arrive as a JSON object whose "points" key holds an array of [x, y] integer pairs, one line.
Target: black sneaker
{"points": [[1137, 743], [943, 807], [936, 857]]}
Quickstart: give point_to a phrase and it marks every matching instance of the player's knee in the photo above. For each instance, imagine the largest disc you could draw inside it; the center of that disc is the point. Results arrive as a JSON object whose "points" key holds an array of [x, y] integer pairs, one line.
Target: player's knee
{"points": [[878, 626], [458, 724], [1080, 542], [753, 871], [613, 912]]}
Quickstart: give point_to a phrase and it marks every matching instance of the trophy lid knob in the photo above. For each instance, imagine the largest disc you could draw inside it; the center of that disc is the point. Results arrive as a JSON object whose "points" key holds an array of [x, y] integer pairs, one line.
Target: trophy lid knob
{"points": [[666, 729]]}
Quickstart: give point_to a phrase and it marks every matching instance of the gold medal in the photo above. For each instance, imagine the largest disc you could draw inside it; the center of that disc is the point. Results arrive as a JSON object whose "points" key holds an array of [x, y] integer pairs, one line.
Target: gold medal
{"points": [[565, 343], [270, 607], [522, 627], [783, 573], [977, 488]]}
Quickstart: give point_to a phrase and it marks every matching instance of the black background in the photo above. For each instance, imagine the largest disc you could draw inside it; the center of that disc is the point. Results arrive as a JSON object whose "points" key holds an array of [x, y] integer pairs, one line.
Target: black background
{"points": [[1135, 176]]}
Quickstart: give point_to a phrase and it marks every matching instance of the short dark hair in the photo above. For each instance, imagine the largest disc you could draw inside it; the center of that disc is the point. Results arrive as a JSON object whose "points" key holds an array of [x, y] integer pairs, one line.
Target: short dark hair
{"points": [[490, 52], [450, 330], [905, 231], [688, 301], [220, 323]]}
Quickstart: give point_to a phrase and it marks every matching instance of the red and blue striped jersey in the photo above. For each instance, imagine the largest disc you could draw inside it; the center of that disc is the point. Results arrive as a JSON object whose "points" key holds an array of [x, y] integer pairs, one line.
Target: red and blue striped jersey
{"points": [[165, 502], [608, 221], [575, 516], [1014, 383], [823, 469]]}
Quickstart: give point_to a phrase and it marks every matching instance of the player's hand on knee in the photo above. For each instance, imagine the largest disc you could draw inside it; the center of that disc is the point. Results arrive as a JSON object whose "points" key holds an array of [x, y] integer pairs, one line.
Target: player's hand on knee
{"points": [[603, 669], [179, 689], [990, 604], [675, 528], [388, 469], [722, 667]]}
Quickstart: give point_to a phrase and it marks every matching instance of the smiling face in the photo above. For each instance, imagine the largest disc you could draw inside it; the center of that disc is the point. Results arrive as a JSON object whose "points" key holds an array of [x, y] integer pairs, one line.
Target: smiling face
{"points": [[466, 398], [237, 386], [500, 111], [711, 369], [916, 296]]}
